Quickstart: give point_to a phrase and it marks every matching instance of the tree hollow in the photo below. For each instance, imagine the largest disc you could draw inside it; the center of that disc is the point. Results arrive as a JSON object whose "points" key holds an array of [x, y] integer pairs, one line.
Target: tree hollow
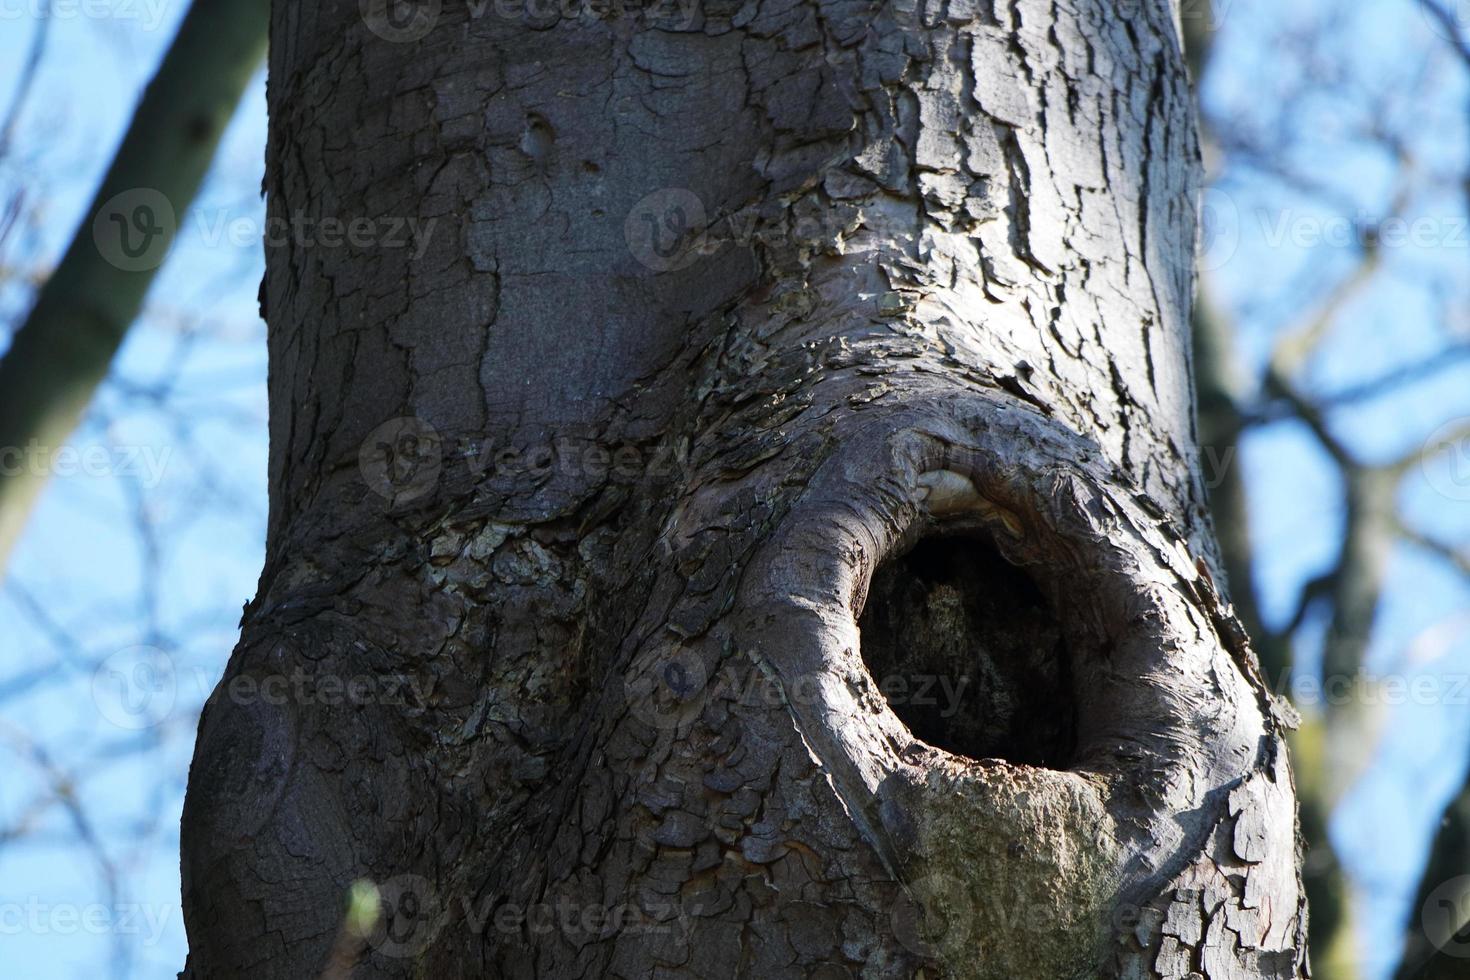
{"points": [[970, 653]]}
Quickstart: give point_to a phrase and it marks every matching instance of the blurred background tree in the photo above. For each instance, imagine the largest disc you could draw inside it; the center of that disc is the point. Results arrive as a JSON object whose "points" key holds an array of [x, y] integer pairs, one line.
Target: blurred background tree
{"points": [[1330, 326], [1333, 331], [120, 604]]}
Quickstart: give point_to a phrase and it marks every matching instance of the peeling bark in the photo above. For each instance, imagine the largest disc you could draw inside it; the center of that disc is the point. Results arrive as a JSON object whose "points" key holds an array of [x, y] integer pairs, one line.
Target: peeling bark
{"points": [[716, 331]]}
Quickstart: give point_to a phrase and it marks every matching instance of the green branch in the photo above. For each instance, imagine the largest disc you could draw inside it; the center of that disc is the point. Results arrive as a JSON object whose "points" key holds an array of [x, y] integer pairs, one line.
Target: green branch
{"points": [[66, 345]]}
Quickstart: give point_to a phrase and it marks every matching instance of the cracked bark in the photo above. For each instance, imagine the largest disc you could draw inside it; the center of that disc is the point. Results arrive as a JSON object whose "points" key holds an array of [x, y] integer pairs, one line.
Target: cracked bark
{"points": [[712, 328]]}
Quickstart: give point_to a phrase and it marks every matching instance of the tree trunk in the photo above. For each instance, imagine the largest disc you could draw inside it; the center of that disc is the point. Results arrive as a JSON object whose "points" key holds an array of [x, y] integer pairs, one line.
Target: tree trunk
{"points": [[753, 527]]}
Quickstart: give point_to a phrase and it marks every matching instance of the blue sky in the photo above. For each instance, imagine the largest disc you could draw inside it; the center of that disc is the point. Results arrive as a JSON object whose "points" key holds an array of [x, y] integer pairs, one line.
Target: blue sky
{"points": [[1284, 255], [189, 468]]}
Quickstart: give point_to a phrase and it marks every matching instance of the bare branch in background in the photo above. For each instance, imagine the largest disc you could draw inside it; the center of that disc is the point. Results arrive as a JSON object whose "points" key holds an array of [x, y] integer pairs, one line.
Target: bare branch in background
{"points": [[1336, 743], [27, 80], [64, 349], [1450, 26]]}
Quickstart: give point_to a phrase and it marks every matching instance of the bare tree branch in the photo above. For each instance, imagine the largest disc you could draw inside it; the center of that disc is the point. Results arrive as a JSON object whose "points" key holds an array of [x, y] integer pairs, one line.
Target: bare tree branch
{"points": [[63, 350], [27, 80]]}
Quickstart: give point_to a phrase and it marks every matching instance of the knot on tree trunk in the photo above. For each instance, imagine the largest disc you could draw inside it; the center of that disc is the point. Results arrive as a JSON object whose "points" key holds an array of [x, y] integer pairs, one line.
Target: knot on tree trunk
{"points": [[1014, 676]]}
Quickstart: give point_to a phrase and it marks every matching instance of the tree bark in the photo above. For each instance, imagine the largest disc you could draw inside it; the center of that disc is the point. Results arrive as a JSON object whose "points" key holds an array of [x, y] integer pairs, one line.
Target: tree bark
{"points": [[757, 371]]}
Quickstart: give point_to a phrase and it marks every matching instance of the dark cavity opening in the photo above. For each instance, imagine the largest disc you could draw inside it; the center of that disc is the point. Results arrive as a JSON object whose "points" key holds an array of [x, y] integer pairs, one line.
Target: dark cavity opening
{"points": [[970, 654]]}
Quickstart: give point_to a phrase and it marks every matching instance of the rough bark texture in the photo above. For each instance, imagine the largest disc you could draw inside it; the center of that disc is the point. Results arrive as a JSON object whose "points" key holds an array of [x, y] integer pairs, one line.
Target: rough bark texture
{"points": [[723, 322]]}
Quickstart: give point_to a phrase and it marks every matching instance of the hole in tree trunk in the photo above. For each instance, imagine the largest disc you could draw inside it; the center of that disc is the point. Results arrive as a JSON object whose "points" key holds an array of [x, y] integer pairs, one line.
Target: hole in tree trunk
{"points": [[970, 654]]}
